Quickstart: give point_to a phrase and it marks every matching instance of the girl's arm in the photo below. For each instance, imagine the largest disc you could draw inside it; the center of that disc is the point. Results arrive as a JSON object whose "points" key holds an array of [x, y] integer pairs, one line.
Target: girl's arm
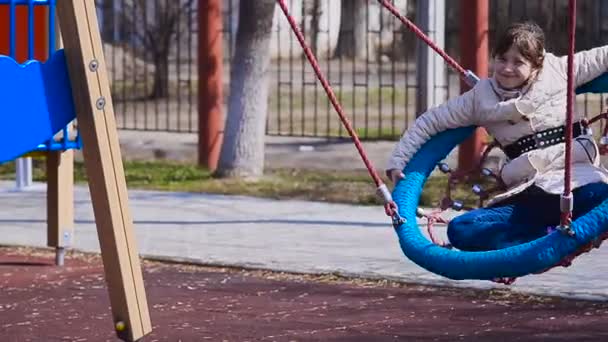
{"points": [[588, 64], [457, 112]]}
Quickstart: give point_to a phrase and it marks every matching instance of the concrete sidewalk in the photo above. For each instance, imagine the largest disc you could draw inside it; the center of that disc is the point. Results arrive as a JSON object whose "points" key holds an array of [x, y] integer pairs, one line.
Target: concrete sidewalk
{"points": [[280, 152], [295, 236]]}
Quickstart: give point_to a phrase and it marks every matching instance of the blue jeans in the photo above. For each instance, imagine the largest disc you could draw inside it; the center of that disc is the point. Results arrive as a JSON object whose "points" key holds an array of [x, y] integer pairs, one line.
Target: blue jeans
{"points": [[519, 219]]}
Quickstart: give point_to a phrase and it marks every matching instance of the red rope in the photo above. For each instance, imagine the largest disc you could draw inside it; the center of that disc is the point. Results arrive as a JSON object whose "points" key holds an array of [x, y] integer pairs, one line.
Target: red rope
{"points": [[422, 36], [566, 216], [330, 93]]}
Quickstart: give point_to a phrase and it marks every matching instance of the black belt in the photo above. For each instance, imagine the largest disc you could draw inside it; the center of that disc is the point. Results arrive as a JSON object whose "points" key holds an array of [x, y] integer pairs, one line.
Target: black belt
{"points": [[541, 139]]}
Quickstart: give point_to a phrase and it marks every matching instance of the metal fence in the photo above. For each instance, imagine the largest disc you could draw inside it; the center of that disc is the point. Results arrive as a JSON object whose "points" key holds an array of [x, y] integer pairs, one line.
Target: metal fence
{"points": [[151, 51]]}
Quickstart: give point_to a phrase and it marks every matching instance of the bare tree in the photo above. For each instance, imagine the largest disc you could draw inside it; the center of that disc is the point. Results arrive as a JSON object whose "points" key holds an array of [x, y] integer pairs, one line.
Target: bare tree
{"points": [[108, 16], [314, 8], [353, 30], [155, 25], [242, 152]]}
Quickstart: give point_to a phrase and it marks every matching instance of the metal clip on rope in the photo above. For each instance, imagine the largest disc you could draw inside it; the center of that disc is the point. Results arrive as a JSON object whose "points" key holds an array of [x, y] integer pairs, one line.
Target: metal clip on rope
{"points": [[566, 205], [470, 78], [390, 206]]}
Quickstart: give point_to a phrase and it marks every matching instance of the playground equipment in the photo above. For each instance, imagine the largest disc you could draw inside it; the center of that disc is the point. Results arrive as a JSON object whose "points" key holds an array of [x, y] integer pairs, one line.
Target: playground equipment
{"points": [[40, 99], [28, 32], [505, 265]]}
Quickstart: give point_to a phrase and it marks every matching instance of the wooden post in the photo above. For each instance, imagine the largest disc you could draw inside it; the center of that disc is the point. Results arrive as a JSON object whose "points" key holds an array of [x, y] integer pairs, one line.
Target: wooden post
{"points": [[60, 190], [210, 91], [60, 202], [102, 158]]}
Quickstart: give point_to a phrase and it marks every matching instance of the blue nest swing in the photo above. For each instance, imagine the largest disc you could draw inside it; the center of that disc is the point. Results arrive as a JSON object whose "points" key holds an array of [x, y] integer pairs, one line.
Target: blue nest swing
{"points": [[528, 258]]}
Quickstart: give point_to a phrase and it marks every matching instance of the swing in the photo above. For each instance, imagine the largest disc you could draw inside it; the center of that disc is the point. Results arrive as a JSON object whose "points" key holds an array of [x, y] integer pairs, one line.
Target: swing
{"points": [[504, 265]]}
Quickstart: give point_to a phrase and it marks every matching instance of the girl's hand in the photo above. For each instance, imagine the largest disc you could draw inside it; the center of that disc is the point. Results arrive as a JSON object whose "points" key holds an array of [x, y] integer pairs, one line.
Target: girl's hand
{"points": [[395, 175]]}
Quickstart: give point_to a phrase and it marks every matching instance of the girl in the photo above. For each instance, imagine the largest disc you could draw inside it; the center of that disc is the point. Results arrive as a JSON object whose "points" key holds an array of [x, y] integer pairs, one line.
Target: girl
{"points": [[523, 106]]}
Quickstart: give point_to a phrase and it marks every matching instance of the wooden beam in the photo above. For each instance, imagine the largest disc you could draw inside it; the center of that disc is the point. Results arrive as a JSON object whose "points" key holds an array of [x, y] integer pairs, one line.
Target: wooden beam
{"points": [[60, 185], [60, 201], [102, 158]]}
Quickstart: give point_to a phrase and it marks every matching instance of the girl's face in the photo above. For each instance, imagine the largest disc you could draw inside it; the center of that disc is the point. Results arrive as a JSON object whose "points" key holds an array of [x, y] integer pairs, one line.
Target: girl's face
{"points": [[511, 69]]}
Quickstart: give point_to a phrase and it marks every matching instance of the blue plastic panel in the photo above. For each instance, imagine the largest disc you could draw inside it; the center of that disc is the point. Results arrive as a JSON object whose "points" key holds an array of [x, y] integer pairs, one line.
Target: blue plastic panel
{"points": [[35, 103], [27, 2]]}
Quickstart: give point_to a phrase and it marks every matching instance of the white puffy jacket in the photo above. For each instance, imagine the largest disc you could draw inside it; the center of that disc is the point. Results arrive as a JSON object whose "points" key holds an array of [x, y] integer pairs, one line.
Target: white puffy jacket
{"points": [[511, 115]]}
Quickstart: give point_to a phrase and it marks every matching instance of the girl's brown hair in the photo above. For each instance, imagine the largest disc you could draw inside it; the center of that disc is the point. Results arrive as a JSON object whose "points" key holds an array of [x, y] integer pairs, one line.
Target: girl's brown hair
{"points": [[527, 37]]}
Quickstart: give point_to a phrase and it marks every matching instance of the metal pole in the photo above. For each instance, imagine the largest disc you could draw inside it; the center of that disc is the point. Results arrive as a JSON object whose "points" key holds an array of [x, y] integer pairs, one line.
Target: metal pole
{"points": [[210, 92], [474, 46], [23, 173], [431, 77]]}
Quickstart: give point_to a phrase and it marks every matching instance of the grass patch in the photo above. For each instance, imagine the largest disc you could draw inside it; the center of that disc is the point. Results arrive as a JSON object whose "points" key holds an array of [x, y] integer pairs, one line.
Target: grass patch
{"points": [[355, 187], [135, 90], [358, 98]]}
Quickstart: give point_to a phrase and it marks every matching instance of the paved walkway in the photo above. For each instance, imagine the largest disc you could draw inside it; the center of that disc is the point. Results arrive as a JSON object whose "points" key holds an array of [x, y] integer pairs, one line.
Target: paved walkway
{"points": [[280, 152], [295, 236]]}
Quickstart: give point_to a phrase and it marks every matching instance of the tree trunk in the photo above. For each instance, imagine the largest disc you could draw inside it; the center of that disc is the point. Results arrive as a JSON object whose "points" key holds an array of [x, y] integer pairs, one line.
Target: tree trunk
{"points": [[160, 46], [353, 30], [242, 152], [160, 87], [315, 13], [108, 19]]}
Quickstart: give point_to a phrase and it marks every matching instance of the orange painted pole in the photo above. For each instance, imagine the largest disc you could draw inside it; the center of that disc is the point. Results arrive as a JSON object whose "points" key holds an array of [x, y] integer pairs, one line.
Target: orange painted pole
{"points": [[474, 56], [210, 87], [41, 41]]}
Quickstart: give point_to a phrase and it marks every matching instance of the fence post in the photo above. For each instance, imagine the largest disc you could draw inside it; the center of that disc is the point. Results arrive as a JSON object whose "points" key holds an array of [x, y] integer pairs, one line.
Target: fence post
{"points": [[474, 46], [210, 92]]}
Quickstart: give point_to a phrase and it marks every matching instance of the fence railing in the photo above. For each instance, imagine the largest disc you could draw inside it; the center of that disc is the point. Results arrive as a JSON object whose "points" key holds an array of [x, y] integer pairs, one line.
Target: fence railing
{"points": [[150, 48]]}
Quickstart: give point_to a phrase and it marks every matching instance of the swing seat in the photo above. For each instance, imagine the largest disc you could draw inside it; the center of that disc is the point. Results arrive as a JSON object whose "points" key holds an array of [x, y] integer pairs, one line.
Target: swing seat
{"points": [[36, 101], [512, 262], [532, 257], [596, 86]]}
